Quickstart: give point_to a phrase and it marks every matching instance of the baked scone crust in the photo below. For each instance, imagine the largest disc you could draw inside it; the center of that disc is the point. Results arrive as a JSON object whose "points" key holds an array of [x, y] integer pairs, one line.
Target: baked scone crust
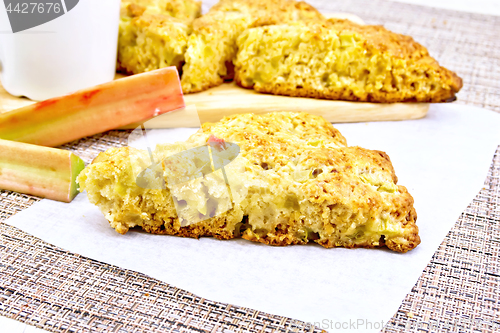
{"points": [[153, 33], [212, 45], [281, 47], [341, 60], [294, 181]]}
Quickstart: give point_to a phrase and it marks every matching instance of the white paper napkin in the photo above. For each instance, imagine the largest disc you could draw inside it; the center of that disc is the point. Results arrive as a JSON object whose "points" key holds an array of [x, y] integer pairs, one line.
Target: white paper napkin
{"points": [[442, 160]]}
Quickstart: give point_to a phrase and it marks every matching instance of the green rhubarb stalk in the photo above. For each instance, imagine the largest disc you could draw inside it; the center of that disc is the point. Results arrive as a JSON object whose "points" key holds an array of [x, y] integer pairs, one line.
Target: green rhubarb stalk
{"points": [[94, 110], [45, 172]]}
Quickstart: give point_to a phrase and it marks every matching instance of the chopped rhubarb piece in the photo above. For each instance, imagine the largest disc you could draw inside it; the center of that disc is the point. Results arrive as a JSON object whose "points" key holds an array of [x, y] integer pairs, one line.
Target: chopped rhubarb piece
{"points": [[94, 110], [214, 141], [41, 171]]}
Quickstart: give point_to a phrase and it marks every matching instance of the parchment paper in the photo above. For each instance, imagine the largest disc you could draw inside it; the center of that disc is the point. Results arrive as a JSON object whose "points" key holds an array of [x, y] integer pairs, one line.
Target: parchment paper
{"points": [[442, 159]]}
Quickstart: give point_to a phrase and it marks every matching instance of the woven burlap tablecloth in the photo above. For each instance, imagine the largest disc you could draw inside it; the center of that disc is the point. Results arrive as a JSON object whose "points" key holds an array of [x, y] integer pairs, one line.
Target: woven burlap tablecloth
{"points": [[59, 291]]}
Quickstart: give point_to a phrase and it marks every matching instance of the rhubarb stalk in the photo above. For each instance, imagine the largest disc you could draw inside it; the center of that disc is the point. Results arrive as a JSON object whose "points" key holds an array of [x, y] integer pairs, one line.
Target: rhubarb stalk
{"points": [[41, 171], [94, 110]]}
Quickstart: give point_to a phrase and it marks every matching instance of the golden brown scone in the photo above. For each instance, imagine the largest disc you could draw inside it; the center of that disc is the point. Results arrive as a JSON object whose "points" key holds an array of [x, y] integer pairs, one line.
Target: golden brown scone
{"points": [[295, 180], [341, 60], [212, 45], [185, 10], [153, 33]]}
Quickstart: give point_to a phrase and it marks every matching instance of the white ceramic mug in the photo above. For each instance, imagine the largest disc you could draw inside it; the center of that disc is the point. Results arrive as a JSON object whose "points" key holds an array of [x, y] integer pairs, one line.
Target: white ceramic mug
{"points": [[73, 51]]}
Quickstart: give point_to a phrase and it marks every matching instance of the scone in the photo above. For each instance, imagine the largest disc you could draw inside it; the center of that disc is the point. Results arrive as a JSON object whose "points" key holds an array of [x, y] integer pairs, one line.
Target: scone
{"points": [[212, 45], [341, 60], [291, 180], [153, 33]]}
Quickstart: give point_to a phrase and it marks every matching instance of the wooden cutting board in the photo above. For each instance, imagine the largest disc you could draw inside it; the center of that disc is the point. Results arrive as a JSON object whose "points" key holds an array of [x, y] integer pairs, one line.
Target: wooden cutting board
{"points": [[213, 104], [227, 99]]}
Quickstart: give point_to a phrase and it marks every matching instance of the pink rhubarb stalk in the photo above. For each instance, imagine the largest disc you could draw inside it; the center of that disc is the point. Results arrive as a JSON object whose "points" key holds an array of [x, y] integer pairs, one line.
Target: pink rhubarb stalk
{"points": [[94, 110]]}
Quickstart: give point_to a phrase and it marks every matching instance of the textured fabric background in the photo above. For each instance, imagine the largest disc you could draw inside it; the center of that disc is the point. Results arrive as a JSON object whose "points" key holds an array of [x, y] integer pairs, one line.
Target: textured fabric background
{"points": [[45, 286]]}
